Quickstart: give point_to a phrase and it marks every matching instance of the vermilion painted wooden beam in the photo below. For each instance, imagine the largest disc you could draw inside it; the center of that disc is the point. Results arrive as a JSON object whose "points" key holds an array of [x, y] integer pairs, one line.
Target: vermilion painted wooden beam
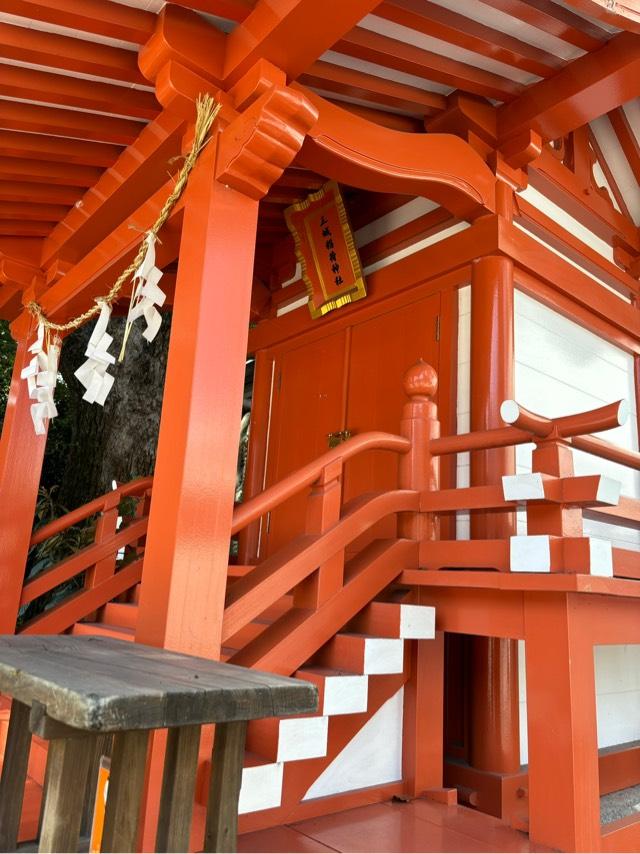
{"points": [[101, 17], [611, 181], [16, 191], [358, 84], [232, 10], [41, 48], [587, 88], [394, 121], [44, 171], [554, 20], [33, 146], [291, 34], [27, 211], [373, 47], [31, 85], [463, 31], [627, 140], [24, 228], [439, 166], [625, 15], [136, 175], [15, 115]]}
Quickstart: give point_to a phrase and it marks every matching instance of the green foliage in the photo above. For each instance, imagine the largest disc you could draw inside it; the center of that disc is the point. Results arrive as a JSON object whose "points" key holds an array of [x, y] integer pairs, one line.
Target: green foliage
{"points": [[52, 551], [7, 355]]}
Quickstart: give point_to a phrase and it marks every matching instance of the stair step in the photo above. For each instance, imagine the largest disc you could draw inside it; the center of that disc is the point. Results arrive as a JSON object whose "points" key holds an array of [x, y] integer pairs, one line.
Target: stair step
{"points": [[105, 630], [261, 787], [358, 653], [341, 693], [289, 739], [396, 620], [121, 614]]}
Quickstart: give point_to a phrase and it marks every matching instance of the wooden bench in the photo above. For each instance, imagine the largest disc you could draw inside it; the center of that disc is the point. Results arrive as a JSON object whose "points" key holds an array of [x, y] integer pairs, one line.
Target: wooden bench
{"points": [[74, 691]]}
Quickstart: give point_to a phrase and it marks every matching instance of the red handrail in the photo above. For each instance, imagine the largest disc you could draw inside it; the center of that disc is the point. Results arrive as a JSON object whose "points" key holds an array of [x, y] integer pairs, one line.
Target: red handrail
{"points": [[607, 450], [298, 480], [140, 485]]}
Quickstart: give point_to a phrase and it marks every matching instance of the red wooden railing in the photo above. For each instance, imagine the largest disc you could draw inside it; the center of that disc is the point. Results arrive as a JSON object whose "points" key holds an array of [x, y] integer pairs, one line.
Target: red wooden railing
{"points": [[326, 590], [105, 576]]}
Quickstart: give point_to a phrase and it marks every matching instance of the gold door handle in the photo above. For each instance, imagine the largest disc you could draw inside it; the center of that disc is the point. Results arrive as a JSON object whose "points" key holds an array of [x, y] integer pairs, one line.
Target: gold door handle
{"points": [[337, 438]]}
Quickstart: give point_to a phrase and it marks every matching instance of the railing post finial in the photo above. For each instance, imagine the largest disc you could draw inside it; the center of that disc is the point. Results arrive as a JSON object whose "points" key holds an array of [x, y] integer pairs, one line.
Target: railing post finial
{"points": [[421, 380]]}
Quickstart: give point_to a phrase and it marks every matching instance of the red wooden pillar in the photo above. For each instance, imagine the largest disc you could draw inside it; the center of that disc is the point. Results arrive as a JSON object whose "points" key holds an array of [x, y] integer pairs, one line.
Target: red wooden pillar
{"points": [[422, 759], [494, 736], [187, 551], [564, 796], [21, 455]]}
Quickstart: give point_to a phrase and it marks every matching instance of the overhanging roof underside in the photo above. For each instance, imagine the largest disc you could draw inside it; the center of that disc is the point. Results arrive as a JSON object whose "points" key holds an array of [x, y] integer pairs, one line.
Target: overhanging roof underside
{"points": [[72, 97]]}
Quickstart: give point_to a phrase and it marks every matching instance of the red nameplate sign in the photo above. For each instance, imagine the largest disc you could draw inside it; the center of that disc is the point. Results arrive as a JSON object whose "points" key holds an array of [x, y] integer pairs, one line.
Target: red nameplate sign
{"points": [[326, 250]]}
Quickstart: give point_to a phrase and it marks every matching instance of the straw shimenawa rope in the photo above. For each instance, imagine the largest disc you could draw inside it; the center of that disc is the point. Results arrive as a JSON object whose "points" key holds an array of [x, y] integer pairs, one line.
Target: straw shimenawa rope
{"points": [[206, 112]]}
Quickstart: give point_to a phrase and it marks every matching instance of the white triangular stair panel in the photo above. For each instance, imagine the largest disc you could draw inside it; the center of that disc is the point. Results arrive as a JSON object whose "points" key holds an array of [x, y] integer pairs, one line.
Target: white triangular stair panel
{"points": [[373, 757]]}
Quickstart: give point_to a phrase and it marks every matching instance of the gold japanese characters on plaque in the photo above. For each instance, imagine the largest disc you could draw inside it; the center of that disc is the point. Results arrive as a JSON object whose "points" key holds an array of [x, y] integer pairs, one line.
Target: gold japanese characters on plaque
{"points": [[326, 250]]}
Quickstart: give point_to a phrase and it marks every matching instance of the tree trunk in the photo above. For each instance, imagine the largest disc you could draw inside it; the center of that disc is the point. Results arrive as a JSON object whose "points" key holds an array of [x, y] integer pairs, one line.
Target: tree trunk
{"points": [[117, 441]]}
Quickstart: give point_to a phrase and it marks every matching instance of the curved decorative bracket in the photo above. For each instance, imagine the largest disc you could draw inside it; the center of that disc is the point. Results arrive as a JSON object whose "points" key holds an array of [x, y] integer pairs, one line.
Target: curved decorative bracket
{"points": [[357, 152], [256, 148]]}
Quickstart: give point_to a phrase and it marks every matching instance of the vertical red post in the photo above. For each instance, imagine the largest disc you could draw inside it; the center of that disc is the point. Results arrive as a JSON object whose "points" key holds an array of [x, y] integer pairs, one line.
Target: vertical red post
{"points": [[564, 794], [21, 456], [423, 758], [495, 740], [323, 511], [187, 551]]}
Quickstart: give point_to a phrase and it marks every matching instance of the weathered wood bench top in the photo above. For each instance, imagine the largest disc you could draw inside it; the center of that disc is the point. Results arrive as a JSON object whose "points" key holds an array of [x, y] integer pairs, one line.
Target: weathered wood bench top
{"points": [[106, 685]]}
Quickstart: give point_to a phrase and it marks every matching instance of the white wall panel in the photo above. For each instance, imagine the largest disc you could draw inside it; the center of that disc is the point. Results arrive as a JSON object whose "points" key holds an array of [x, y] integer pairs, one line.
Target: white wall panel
{"points": [[563, 368]]}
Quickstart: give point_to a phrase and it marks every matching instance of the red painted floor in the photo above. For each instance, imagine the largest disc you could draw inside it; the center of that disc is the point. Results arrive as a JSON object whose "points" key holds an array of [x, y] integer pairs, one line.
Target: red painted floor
{"points": [[418, 826]]}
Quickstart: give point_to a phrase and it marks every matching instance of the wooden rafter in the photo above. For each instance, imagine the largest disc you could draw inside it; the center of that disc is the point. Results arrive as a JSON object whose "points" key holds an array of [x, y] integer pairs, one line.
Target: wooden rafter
{"points": [[290, 33], [43, 171], [608, 174], [627, 140], [554, 20], [101, 17], [41, 48], [585, 89], [15, 115], [29, 84], [33, 146], [28, 211], [391, 53], [17, 191], [377, 90], [463, 31]]}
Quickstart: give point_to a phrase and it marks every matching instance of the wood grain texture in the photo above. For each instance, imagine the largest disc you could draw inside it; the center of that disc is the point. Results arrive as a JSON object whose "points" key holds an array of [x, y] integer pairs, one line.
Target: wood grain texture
{"points": [[221, 831], [14, 775], [178, 789], [67, 768], [107, 685], [126, 784]]}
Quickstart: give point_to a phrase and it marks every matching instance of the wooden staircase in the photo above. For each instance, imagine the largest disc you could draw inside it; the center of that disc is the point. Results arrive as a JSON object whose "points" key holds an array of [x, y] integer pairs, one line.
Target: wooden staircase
{"points": [[371, 645]]}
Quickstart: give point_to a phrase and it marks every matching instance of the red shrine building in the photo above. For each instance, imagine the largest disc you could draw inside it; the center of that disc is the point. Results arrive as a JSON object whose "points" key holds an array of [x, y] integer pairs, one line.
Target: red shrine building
{"points": [[417, 220]]}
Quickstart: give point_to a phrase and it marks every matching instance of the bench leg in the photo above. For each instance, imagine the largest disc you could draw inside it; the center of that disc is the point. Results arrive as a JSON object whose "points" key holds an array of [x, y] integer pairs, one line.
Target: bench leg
{"points": [[126, 785], [221, 833], [67, 769], [178, 789], [14, 775]]}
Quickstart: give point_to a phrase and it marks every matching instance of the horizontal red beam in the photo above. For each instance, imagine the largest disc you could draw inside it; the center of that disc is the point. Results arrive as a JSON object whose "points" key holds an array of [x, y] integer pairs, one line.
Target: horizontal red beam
{"points": [[16, 191], [32, 212], [387, 93], [382, 50], [42, 48], [31, 85], [74, 123], [21, 228], [469, 34], [44, 171], [101, 17], [40, 147]]}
